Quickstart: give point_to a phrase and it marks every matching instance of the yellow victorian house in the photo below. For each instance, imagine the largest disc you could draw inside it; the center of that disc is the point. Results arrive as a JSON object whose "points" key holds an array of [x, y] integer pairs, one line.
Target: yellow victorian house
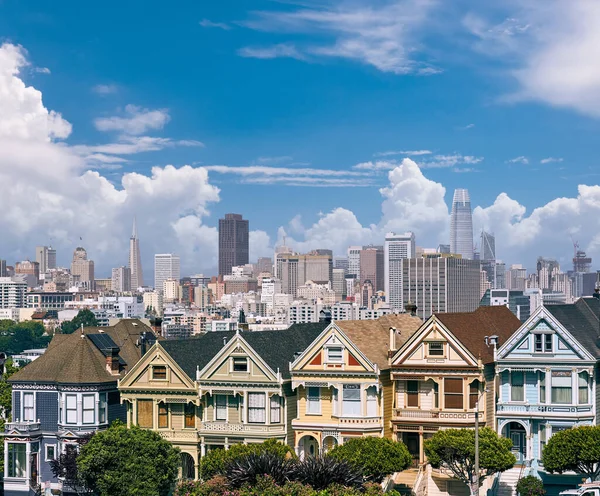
{"points": [[443, 371], [343, 383], [216, 390]]}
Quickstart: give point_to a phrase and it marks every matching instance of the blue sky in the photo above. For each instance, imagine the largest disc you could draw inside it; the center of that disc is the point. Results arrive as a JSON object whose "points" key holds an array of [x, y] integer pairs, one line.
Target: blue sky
{"points": [[280, 103]]}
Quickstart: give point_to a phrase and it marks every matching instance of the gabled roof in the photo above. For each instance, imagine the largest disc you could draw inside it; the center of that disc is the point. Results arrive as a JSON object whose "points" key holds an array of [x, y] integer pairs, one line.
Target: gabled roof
{"points": [[582, 320], [276, 348], [73, 359], [372, 337], [470, 328]]}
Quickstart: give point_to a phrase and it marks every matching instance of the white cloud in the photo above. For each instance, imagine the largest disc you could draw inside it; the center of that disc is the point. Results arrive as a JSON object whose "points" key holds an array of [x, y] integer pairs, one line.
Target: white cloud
{"points": [[408, 153], [260, 245], [442, 161], [383, 34], [377, 165], [135, 121], [206, 23], [271, 52], [550, 160], [42, 70], [519, 160], [105, 89]]}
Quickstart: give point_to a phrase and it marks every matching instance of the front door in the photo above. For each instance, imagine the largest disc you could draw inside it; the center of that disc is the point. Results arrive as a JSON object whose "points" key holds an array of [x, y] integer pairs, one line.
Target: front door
{"points": [[411, 439], [518, 449]]}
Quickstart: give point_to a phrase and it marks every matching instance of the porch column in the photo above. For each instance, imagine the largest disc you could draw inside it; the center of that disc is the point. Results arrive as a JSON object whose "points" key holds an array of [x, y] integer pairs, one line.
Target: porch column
{"points": [[421, 448]]}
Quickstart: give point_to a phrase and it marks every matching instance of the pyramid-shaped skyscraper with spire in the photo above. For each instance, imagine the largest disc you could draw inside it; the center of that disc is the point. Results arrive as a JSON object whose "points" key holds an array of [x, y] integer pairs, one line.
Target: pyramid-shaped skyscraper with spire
{"points": [[135, 261]]}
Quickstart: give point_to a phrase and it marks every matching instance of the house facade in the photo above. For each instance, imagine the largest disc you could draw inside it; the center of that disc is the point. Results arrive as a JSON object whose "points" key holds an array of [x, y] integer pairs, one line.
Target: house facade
{"points": [[341, 380], [67, 393], [217, 390], [444, 373], [547, 379]]}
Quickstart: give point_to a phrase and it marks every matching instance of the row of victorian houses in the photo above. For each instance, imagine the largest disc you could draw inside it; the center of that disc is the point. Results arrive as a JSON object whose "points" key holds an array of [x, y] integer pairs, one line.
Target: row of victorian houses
{"points": [[312, 386]]}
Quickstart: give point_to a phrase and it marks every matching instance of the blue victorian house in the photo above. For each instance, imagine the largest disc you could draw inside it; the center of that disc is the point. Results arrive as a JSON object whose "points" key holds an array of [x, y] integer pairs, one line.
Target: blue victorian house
{"points": [[547, 377], [70, 391]]}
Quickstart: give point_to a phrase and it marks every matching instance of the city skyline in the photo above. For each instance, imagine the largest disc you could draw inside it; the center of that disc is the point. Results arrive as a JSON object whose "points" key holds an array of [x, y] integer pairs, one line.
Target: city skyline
{"points": [[91, 145]]}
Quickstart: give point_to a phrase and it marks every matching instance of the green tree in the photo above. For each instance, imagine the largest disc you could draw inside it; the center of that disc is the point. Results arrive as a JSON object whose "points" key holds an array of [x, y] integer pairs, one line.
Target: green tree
{"points": [[85, 317], [128, 462], [530, 486], [215, 462], [5, 403], [454, 449], [14, 338], [377, 457], [576, 449]]}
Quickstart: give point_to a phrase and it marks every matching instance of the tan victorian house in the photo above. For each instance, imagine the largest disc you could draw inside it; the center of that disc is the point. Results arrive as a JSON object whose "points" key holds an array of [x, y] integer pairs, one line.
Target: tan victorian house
{"points": [[444, 370], [343, 383], [216, 390]]}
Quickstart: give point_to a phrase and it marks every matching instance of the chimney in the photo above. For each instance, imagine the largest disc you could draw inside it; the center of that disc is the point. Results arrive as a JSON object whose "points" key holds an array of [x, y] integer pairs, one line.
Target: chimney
{"points": [[143, 343], [411, 308], [112, 361]]}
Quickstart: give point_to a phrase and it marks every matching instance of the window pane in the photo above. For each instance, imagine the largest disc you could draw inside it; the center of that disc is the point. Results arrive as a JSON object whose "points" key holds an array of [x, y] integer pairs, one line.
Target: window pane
{"points": [[313, 400], [453, 393], [275, 409], [221, 407], [542, 382], [256, 408], [412, 393], [334, 354], [371, 401], [17, 460], [88, 403], [436, 349], [240, 364], [163, 416], [538, 342], [517, 390], [583, 388], [473, 394], [159, 372], [190, 415], [351, 400], [548, 342], [144, 413], [71, 409]]}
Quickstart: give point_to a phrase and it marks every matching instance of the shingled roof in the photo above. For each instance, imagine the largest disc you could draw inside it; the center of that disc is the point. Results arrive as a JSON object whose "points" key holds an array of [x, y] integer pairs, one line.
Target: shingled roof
{"points": [[372, 337], [276, 348], [75, 359], [470, 328], [582, 320]]}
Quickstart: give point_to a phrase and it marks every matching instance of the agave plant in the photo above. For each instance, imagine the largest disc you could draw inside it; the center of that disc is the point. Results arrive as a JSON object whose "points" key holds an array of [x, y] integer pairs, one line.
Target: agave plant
{"points": [[246, 469], [321, 472]]}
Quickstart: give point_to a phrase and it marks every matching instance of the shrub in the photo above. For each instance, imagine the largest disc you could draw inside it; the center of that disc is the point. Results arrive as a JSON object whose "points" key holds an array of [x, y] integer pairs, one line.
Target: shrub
{"points": [[531, 486], [376, 456], [245, 470], [321, 472], [216, 461]]}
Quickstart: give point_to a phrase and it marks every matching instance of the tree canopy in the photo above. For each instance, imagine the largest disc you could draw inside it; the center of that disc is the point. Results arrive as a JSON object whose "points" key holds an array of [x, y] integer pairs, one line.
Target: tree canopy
{"points": [[576, 449], [16, 337], [85, 317], [128, 462], [376, 456], [454, 449]]}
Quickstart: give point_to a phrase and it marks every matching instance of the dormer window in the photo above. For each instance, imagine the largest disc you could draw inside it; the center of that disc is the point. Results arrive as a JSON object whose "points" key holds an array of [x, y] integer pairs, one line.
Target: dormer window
{"points": [[436, 348], [240, 364], [334, 354], [159, 372], [542, 343]]}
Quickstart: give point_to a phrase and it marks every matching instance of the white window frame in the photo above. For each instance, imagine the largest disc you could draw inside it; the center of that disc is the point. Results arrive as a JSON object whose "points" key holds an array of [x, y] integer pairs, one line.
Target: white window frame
{"points": [[46, 457], [335, 358], [67, 409], [30, 415], [23, 469], [216, 407], [442, 349], [372, 403], [352, 402], [315, 401], [255, 411], [522, 372], [103, 408], [87, 410], [275, 409], [245, 359]]}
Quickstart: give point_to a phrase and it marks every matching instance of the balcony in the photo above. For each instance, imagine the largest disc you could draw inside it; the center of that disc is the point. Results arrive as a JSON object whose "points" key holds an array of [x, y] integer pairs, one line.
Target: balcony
{"points": [[180, 436], [238, 428], [541, 410], [24, 428], [346, 423], [407, 414]]}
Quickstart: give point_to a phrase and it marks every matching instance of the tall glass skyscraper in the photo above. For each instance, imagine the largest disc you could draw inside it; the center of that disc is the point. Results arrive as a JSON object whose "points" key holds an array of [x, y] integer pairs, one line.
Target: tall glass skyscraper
{"points": [[461, 225]]}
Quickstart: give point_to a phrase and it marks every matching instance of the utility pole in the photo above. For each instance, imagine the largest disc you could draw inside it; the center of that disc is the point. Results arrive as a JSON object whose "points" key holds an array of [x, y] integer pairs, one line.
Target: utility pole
{"points": [[475, 488]]}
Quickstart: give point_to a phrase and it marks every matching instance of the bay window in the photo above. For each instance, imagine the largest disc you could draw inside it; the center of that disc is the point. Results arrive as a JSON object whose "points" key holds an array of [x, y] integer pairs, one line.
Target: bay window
{"points": [[453, 393], [517, 386], [275, 406], [257, 413], [561, 387], [28, 407], [313, 400], [351, 399], [17, 460], [89, 407], [71, 409]]}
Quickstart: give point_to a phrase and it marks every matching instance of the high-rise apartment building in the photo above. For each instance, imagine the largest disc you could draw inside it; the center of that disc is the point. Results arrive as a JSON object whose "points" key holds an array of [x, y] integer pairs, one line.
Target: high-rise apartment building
{"points": [[121, 279], [295, 269], [3, 268], [135, 260], [516, 278], [29, 268], [12, 293], [437, 283], [461, 225], [166, 266], [82, 267], [45, 256], [233, 243], [547, 268], [341, 263], [171, 291], [372, 267], [339, 283], [397, 247], [354, 260]]}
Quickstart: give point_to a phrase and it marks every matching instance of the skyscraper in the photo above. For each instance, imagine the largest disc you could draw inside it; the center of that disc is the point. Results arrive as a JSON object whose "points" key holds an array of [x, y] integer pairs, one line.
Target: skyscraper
{"points": [[82, 267], [121, 279], [45, 256], [233, 243], [135, 261], [166, 266], [461, 225], [354, 260], [397, 247], [372, 267], [488, 246]]}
